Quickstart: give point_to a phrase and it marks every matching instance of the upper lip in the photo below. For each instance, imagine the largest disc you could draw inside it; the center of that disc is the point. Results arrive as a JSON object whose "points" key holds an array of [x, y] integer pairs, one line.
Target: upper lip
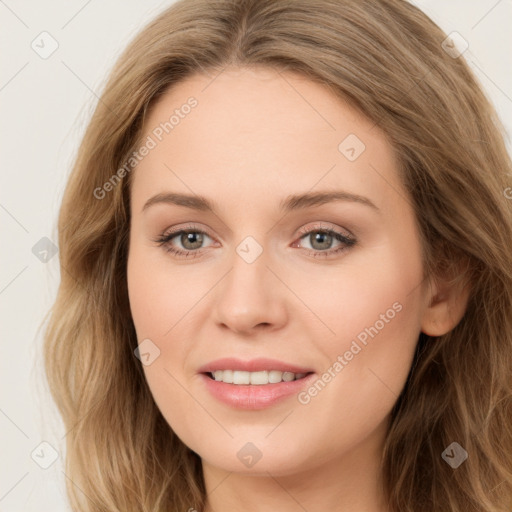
{"points": [[253, 365]]}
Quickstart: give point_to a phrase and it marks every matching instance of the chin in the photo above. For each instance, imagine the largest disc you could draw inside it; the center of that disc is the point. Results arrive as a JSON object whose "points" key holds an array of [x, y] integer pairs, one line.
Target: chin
{"points": [[256, 460]]}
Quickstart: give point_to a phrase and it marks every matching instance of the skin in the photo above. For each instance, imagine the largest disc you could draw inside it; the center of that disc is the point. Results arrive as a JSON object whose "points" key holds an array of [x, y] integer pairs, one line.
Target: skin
{"points": [[255, 137]]}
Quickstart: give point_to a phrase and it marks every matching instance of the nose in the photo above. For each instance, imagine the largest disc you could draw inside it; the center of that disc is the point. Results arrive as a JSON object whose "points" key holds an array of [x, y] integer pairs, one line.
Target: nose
{"points": [[250, 298]]}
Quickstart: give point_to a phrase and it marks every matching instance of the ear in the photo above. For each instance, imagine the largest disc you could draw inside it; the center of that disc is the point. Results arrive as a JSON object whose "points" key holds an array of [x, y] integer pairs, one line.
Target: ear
{"points": [[447, 304]]}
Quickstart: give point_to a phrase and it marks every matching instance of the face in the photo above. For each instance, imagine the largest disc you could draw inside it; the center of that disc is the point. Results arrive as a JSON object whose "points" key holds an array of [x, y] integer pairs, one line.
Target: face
{"points": [[305, 266]]}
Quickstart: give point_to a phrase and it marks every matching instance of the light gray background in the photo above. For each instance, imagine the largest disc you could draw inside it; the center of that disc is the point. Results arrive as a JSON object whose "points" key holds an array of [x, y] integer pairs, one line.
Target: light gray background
{"points": [[45, 105]]}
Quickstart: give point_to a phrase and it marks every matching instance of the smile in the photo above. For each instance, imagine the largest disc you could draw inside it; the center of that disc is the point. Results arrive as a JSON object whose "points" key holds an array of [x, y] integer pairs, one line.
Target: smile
{"points": [[255, 378]]}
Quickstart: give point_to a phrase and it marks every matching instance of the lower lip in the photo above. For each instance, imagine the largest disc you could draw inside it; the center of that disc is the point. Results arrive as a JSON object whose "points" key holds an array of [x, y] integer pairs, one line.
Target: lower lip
{"points": [[247, 396]]}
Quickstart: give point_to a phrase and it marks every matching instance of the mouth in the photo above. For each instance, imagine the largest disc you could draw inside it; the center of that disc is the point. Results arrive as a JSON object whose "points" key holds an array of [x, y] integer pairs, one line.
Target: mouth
{"points": [[254, 390], [258, 378], [256, 383]]}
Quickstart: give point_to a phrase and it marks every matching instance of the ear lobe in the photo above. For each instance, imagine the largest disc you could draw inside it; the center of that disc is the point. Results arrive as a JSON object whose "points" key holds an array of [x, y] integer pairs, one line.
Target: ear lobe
{"points": [[447, 306]]}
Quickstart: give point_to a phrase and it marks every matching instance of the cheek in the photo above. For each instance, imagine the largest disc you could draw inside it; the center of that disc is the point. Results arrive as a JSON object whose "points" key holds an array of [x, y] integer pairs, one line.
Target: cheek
{"points": [[160, 292], [370, 309], [158, 303], [163, 299], [364, 291], [373, 311]]}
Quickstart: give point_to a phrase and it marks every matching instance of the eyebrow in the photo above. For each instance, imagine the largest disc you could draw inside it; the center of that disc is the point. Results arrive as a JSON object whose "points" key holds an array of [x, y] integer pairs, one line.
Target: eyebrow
{"points": [[290, 203]]}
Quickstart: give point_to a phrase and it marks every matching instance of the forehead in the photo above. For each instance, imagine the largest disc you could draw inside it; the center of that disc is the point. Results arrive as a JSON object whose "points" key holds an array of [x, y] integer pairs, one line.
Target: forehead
{"points": [[256, 131]]}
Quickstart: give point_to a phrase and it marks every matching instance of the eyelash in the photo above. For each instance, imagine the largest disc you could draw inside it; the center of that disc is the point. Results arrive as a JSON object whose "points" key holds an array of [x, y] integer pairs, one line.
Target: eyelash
{"points": [[164, 239]]}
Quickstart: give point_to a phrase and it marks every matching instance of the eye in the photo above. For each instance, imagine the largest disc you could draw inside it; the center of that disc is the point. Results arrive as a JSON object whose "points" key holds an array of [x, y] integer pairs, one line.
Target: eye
{"points": [[191, 240], [321, 238]]}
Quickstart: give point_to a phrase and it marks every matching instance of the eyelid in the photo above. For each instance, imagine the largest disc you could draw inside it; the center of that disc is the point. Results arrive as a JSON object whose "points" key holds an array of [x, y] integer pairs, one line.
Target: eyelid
{"points": [[188, 227], [303, 231], [326, 226]]}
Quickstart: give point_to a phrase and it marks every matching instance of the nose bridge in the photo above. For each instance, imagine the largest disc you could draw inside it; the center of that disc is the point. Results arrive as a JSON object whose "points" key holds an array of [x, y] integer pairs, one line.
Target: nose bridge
{"points": [[247, 297], [248, 280]]}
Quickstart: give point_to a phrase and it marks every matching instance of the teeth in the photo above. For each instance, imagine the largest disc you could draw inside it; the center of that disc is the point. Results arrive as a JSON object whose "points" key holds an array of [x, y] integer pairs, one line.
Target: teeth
{"points": [[241, 377], [258, 377], [274, 376], [255, 378]]}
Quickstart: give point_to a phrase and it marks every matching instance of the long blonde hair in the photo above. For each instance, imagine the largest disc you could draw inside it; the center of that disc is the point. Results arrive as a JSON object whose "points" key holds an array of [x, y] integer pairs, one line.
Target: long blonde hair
{"points": [[386, 58]]}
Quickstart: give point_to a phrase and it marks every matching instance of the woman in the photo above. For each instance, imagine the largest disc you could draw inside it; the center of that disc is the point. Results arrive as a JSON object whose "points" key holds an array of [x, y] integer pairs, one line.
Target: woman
{"points": [[287, 276]]}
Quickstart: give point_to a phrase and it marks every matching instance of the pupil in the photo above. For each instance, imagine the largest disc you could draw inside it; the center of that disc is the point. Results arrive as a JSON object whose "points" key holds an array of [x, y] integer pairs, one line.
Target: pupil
{"points": [[189, 237], [320, 236]]}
